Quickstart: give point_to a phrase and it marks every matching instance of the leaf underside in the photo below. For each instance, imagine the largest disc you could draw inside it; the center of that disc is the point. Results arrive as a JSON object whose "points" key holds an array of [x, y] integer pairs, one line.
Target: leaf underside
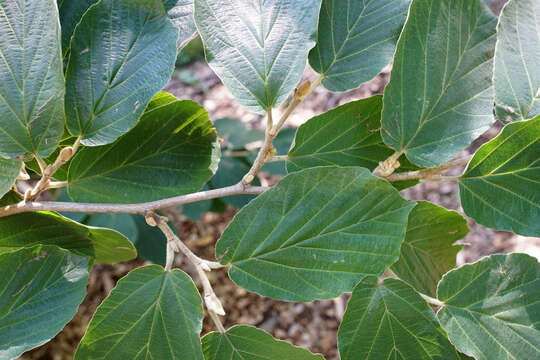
{"points": [[391, 321], [501, 186], [40, 292], [258, 49], [517, 55], [31, 78], [356, 39], [491, 307], [122, 53], [440, 94]]}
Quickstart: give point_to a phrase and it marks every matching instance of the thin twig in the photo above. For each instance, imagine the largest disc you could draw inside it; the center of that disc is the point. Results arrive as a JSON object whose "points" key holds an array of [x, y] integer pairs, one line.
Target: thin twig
{"points": [[212, 302], [179, 246], [141, 208], [47, 171], [272, 130], [433, 174]]}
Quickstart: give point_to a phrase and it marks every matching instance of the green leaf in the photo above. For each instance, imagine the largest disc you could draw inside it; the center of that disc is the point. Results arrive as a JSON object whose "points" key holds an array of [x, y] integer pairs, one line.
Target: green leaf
{"points": [[71, 12], [172, 151], [391, 321], [235, 134], [9, 170], [346, 136], [29, 229], [500, 188], [315, 234], [258, 49], [31, 78], [11, 197], [246, 342], [150, 314], [151, 243], [356, 39], [517, 54], [428, 251], [122, 54], [491, 307], [123, 223], [440, 95], [41, 290], [180, 12]]}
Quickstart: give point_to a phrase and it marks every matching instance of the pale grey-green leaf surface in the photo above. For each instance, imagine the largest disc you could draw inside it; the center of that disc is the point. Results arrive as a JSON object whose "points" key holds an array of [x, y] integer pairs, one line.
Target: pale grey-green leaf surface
{"points": [[71, 13], [428, 251], [32, 228], [391, 321], [258, 48], [492, 307], [315, 234], [150, 314], [356, 39], [348, 135], [122, 53], [517, 55], [40, 292], [440, 95], [181, 14], [9, 170], [31, 79], [172, 151], [249, 343], [501, 186]]}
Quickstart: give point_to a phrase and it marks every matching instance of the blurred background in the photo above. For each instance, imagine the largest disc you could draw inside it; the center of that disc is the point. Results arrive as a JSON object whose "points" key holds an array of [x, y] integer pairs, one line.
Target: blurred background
{"points": [[312, 325]]}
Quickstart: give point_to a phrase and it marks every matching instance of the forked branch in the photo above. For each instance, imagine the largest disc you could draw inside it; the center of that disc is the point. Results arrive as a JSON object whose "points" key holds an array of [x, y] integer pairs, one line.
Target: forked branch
{"points": [[174, 244], [266, 151], [47, 171]]}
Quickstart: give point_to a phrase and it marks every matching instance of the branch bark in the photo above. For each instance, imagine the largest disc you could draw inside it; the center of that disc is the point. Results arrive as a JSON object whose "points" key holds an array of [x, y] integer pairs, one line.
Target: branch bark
{"points": [[433, 174], [174, 244], [272, 130], [47, 171], [142, 208]]}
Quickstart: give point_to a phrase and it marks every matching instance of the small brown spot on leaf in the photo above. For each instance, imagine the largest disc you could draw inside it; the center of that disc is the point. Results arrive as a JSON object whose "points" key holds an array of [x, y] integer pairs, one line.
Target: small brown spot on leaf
{"points": [[41, 255]]}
